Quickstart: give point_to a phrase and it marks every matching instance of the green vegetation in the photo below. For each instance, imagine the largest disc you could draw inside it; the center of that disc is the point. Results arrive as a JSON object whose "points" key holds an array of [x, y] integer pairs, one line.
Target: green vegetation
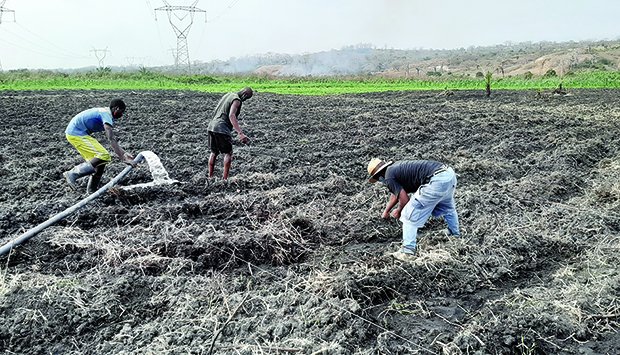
{"points": [[149, 80], [487, 82]]}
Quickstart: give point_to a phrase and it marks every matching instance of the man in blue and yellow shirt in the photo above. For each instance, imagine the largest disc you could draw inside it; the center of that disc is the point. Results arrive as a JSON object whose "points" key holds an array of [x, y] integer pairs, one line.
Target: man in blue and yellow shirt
{"points": [[78, 133]]}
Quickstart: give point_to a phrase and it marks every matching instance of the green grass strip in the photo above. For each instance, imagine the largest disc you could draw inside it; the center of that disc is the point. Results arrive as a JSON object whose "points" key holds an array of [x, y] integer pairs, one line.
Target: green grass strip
{"points": [[27, 80]]}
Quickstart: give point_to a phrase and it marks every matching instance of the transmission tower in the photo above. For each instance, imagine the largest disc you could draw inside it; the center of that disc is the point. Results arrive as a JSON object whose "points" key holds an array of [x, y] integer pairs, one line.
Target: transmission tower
{"points": [[177, 16], [133, 61], [100, 55], [4, 9]]}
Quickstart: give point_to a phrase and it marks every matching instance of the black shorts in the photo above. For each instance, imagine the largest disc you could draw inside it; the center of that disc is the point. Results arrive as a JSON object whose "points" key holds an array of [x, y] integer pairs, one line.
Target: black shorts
{"points": [[220, 143]]}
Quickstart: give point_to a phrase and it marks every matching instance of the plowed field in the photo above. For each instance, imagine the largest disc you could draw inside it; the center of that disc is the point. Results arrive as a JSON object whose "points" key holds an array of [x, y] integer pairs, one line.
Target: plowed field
{"points": [[288, 256]]}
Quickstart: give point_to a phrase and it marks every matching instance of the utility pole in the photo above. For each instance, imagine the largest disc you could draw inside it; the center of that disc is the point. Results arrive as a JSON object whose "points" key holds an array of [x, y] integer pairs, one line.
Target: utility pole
{"points": [[4, 9], [181, 19], [133, 61], [100, 55]]}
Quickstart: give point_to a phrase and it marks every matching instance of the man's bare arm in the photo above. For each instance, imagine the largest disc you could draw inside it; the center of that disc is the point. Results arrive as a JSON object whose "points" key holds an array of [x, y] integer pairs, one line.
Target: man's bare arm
{"points": [[403, 199], [388, 207], [235, 122], [122, 155]]}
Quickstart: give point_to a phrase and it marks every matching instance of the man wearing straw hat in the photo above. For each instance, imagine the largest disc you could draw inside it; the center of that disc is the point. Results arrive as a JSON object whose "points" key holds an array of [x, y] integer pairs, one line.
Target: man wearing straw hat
{"points": [[432, 184]]}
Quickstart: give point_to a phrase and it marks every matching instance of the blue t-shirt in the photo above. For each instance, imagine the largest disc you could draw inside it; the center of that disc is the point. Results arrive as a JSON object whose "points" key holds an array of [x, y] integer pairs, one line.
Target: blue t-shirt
{"points": [[90, 121]]}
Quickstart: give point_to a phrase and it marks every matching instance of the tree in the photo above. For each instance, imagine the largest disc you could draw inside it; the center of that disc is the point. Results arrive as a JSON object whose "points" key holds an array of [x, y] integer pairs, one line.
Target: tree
{"points": [[487, 80]]}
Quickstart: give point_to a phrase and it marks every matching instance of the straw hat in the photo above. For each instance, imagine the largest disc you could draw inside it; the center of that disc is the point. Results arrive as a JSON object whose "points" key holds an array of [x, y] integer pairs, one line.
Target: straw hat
{"points": [[375, 167]]}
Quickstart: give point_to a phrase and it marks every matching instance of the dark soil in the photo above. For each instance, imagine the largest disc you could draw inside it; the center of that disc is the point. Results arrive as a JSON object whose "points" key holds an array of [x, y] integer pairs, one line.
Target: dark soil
{"points": [[289, 255]]}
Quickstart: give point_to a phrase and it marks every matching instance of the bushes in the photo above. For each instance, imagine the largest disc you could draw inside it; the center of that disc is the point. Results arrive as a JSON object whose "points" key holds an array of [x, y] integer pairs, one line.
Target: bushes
{"points": [[196, 79]]}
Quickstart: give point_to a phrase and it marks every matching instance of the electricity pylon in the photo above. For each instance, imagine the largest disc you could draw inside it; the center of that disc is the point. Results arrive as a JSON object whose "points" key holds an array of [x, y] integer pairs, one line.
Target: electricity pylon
{"points": [[4, 9], [133, 60], [181, 29], [100, 55]]}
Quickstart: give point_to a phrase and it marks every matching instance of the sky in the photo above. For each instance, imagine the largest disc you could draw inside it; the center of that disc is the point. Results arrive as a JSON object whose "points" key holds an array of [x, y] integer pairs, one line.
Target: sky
{"points": [[80, 33]]}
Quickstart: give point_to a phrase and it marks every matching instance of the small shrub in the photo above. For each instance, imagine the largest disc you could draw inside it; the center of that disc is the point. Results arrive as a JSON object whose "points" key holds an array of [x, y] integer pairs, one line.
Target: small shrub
{"points": [[487, 79], [550, 74], [196, 79], [479, 74], [144, 71], [528, 75]]}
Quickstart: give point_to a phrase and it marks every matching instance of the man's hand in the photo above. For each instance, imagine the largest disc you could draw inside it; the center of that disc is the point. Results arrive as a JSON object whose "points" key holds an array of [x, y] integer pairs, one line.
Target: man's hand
{"points": [[396, 213], [128, 159], [385, 215], [244, 139]]}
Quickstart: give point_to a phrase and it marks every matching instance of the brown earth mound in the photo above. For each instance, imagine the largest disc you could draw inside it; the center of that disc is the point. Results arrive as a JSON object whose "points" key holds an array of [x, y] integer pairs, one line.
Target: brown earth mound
{"points": [[289, 255]]}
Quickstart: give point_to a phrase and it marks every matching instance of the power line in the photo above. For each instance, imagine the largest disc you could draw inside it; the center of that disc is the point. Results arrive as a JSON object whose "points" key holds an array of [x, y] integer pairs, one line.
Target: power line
{"points": [[231, 4], [159, 36], [148, 5], [176, 16], [52, 45], [54, 50], [4, 9], [45, 54], [41, 45]]}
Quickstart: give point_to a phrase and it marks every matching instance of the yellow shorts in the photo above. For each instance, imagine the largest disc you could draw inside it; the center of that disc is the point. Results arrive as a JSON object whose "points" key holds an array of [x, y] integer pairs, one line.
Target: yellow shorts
{"points": [[89, 147]]}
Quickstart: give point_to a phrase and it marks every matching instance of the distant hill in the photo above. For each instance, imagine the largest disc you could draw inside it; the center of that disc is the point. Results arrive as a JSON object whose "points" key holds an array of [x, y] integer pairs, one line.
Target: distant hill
{"points": [[507, 59]]}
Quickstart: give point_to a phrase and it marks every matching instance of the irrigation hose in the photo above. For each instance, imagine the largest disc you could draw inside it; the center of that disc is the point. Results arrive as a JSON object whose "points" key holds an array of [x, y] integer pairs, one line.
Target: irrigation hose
{"points": [[6, 248]]}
